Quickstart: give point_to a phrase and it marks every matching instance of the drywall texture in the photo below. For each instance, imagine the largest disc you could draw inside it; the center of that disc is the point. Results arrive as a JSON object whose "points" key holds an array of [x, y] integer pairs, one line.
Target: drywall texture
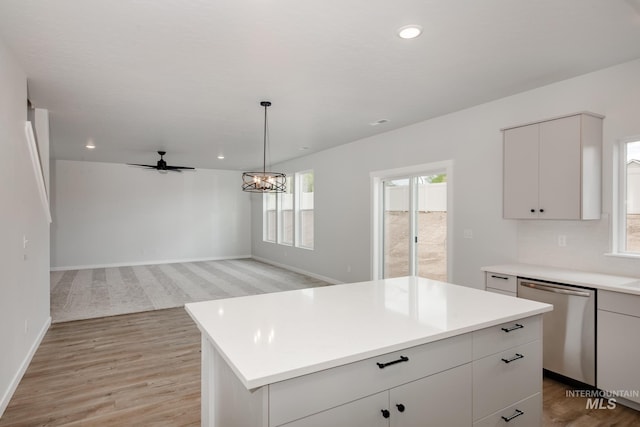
{"points": [[24, 288], [114, 214], [472, 139]]}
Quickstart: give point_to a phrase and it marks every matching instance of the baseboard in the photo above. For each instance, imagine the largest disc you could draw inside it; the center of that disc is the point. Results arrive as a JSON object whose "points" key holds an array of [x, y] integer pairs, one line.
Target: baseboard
{"points": [[4, 402], [298, 270], [150, 262]]}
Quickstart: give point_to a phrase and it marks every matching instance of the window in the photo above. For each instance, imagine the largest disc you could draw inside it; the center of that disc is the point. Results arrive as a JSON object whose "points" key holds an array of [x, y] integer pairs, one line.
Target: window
{"points": [[304, 209], [285, 215], [629, 198], [269, 217], [288, 216]]}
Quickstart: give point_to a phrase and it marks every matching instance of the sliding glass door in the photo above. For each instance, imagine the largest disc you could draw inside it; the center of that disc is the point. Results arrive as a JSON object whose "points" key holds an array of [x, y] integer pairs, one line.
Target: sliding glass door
{"points": [[414, 222]]}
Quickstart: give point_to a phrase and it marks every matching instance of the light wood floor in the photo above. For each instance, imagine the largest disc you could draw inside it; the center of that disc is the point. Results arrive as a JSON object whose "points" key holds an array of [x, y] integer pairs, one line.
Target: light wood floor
{"points": [[138, 369], [143, 369]]}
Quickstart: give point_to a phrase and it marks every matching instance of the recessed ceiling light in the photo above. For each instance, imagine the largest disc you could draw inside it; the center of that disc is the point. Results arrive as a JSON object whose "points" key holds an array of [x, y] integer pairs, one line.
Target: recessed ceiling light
{"points": [[303, 148], [379, 122], [220, 157], [409, 31], [90, 145]]}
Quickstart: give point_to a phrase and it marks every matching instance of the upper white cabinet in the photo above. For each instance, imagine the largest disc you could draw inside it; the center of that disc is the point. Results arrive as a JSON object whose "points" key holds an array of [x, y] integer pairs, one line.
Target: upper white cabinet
{"points": [[552, 169]]}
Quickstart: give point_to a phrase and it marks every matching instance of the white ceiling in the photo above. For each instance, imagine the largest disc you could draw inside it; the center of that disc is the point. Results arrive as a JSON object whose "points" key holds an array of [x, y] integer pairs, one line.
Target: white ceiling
{"points": [[187, 76]]}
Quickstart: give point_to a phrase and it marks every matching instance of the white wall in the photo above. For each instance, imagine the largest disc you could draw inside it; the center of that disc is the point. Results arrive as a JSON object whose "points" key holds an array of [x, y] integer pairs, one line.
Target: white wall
{"points": [[114, 214], [472, 139], [24, 288]]}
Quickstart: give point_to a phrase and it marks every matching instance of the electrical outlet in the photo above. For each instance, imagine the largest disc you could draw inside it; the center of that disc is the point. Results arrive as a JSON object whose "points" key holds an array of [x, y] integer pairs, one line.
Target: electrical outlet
{"points": [[562, 240], [348, 268], [468, 233]]}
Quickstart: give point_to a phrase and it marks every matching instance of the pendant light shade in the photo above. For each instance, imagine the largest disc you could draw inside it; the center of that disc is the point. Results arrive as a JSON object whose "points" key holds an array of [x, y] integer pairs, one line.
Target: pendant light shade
{"points": [[264, 182]]}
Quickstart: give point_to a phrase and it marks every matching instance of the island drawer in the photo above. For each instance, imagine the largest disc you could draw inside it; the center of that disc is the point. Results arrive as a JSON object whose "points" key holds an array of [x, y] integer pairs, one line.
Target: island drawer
{"points": [[503, 282], [309, 394], [526, 413], [506, 377], [506, 335]]}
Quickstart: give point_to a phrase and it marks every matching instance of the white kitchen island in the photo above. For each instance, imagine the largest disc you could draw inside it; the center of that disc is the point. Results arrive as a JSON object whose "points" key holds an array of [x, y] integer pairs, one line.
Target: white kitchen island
{"points": [[394, 352]]}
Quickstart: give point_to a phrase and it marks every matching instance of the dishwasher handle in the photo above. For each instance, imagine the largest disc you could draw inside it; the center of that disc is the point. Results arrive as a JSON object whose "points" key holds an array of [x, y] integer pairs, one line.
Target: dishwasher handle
{"points": [[556, 289]]}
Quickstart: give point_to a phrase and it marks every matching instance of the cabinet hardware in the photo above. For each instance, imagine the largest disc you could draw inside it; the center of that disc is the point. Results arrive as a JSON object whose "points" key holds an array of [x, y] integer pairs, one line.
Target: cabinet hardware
{"points": [[499, 277], [533, 211], [516, 357], [400, 407], [393, 362], [541, 210], [385, 413], [517, 414], [513, 328]]}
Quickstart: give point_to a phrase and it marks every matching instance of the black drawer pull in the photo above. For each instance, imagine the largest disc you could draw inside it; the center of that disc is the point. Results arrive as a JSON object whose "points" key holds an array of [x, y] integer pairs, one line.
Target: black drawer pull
{"points": [[499, 277], [385, 413], [393, 362], [513, 328], [516, 357], [400, 407], [517, 414]]}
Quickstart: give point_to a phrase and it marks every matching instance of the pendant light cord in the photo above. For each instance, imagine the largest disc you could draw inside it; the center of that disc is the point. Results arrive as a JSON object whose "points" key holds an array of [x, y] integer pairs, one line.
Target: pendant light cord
{"points": [[264, 151]]}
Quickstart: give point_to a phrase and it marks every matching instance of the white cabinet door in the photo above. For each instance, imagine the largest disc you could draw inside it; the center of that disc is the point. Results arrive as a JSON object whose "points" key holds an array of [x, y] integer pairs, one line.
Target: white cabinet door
{"points": [[552, 169], [618, 352], [521, 172], [366, 412], [442, 399], [560, 174]]}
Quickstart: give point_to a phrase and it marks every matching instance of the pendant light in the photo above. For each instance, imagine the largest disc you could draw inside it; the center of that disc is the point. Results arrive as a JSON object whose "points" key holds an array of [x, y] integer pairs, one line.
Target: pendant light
{"points": [[264, 182]]}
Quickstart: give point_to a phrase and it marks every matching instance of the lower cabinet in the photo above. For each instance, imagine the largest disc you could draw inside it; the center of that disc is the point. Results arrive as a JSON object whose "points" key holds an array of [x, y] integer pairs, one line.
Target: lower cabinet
{"points": [[526, 413], [499, 283], [365, 412], [482, 378], [442, 399], [618, 355]]}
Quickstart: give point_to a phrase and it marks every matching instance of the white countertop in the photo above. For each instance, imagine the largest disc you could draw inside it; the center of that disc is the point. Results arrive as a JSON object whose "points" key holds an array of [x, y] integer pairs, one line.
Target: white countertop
{"points": [[628, 285], [277, 336]]}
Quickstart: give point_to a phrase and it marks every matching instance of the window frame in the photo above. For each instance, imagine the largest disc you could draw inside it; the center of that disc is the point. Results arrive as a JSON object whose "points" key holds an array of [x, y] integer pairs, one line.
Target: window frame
{"points": [[294, 181], [280, 227], [619, 234], [265, 218], [298, 223]]}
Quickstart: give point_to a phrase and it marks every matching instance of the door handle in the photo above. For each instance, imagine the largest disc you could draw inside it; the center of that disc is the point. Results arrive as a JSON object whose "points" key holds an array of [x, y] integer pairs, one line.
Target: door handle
{"points": [[513, 328], [514, 358], [515, 415], [393, 362]]}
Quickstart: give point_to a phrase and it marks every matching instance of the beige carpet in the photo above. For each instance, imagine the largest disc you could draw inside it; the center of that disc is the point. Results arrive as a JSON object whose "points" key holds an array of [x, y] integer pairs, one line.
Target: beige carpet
{"points": [[100, 292]]}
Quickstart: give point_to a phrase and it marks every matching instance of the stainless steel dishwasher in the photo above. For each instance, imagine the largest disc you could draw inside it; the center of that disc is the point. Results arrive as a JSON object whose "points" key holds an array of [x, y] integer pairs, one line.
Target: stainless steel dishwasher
{"points": [[569, 331]]}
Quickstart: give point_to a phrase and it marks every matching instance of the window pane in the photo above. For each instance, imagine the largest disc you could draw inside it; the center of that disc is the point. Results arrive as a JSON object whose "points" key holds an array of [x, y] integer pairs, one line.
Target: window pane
{"points": [[305, 201], [396, 228], [632, 202], [285, 214], [432, 226], [269, 219]]}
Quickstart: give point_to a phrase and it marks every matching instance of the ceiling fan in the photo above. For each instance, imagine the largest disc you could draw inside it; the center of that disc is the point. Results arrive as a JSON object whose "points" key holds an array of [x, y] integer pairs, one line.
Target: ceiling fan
{"points": [[162, 165]]}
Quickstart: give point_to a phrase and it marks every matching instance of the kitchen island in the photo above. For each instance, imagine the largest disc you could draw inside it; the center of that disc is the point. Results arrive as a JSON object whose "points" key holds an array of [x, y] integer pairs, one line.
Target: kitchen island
{"points": [[394, 352]]}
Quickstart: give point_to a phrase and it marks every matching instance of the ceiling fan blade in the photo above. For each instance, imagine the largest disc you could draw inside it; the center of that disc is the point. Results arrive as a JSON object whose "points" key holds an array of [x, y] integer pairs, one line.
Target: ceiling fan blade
{"points": [[178, 167], [145, 166]]}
